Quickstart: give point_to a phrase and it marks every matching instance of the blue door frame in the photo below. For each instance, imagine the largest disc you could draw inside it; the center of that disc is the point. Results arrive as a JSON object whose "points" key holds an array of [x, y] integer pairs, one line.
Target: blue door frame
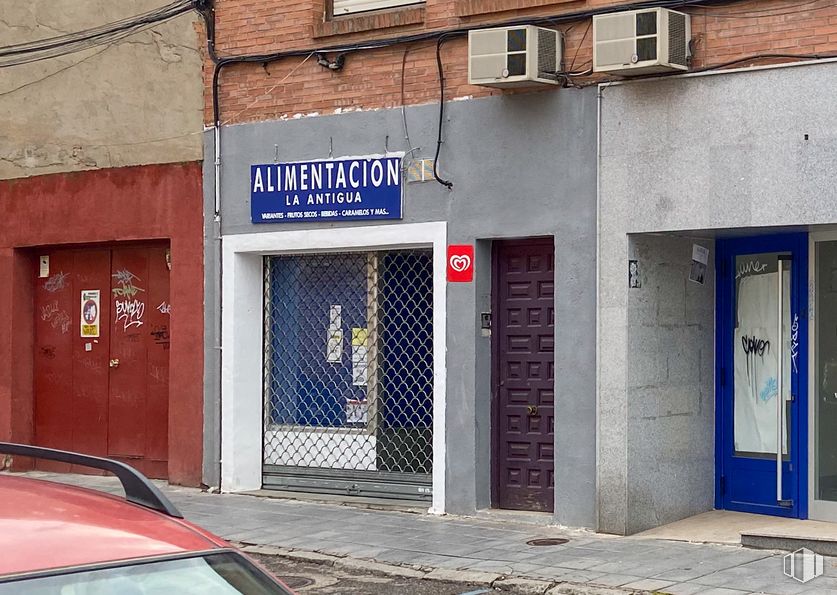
{"points": [[748, 484]]}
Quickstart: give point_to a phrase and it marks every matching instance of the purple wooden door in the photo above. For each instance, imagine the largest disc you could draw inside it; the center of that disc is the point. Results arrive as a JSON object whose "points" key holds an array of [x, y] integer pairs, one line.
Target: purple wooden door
{"points": [[524, 374]]}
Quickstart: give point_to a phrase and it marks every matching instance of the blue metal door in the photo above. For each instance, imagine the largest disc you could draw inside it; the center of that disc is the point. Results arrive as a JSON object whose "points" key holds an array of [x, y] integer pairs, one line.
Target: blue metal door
{"points": [[761, 375]]}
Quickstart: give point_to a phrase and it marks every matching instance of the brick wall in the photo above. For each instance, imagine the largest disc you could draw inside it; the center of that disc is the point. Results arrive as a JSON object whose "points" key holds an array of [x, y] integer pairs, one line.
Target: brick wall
{"points": [[407, 74]]}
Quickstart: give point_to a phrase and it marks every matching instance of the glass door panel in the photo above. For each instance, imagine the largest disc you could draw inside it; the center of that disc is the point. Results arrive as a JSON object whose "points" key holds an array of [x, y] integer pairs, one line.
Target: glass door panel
{"points": [[825, 409], [758, 345]]}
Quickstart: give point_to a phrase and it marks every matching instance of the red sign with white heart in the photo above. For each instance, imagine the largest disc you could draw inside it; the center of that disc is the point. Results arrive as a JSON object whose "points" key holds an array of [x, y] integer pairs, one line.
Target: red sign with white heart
{"points": [[460, 263]]}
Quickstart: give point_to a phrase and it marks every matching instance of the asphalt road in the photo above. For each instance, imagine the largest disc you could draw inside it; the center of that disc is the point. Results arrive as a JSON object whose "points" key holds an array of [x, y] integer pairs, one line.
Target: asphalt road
{"points": [[319, 579]]}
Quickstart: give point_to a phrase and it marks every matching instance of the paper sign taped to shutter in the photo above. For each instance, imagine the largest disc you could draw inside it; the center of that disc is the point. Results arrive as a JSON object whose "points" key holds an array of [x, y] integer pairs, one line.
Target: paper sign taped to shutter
{"points": [[360, 357]]}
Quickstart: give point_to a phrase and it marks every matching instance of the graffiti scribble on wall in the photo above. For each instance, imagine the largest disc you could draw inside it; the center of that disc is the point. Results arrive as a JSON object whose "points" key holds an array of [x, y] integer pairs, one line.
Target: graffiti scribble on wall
{"points": [[754, 345], [125, 279], [129, 310], [129, 313], [770, 390], [57, 282], [56, 317], [753, 267]]}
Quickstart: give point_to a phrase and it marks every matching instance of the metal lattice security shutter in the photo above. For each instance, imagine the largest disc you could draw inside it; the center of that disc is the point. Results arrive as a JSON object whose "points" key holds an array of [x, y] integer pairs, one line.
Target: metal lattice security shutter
{"points": [[348, 373], [342, 7]]}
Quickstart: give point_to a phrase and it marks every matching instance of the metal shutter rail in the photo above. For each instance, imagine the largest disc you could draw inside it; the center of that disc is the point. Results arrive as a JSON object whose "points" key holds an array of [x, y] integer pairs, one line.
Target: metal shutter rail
{"points": [[342, 7]]}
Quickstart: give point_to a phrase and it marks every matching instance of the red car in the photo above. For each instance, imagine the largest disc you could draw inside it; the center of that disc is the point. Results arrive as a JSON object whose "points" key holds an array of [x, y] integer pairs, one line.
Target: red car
{"points": [[67, 540]]}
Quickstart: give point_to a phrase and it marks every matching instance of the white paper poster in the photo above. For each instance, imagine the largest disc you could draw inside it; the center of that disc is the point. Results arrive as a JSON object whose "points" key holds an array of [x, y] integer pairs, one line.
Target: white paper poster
{"points": [[756, 347], [360, 357], [334, 346], [700, 259], [700, 254], [357, 412], [334, 340], [335, 316]]}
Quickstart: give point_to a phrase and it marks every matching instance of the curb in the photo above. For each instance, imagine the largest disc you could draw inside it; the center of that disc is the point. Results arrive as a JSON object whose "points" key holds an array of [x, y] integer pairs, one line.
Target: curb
{"points": [[491, 580]]}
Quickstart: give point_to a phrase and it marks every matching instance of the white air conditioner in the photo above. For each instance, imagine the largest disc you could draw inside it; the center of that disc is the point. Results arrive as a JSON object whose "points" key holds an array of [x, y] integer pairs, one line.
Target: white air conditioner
{"points": [[641, 42], [514, 56]]}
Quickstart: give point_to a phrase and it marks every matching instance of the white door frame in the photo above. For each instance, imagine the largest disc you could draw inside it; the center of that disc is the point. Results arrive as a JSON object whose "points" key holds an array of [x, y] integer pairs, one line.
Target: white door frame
{"points": [[242, 331]]}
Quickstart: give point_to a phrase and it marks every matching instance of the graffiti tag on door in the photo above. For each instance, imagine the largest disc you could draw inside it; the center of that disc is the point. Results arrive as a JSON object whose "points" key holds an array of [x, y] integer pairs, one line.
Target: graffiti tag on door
{"points": [[129, 309], [56, 317], [161, 335], [57, 282]]}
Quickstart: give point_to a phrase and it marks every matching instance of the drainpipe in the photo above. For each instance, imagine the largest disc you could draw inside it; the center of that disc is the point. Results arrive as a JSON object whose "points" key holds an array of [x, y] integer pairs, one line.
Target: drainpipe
{"points": [[217, 172], [219, 299], [219, 276], [599, 102], [600, 89]]}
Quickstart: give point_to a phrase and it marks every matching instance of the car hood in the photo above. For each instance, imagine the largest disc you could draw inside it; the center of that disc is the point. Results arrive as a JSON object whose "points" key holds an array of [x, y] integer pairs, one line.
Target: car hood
{"points": [[45, 525]]}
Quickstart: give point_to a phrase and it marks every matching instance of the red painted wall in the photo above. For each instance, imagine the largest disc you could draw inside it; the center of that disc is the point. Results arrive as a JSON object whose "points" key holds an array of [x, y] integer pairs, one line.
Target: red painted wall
{"points": [[154, 202]]}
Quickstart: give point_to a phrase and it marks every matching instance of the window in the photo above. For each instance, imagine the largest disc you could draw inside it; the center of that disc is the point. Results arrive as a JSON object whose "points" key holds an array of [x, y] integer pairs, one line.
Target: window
{"points": [[347, 7], [224, 573]]}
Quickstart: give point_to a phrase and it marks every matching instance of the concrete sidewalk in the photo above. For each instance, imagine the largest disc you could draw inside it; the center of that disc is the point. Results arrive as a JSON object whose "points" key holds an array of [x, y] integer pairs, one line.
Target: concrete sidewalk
{"points": [[487, 546]]}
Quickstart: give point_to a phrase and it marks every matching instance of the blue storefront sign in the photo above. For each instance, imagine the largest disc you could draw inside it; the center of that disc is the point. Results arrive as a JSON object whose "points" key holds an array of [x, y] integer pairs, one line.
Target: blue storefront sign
{"points": [[328, 190]]}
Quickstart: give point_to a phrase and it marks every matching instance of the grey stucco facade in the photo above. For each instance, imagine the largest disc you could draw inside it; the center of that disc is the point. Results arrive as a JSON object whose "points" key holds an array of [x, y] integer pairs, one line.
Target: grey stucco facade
{"points": [[682, 161], [522, 166], [686, 161]]}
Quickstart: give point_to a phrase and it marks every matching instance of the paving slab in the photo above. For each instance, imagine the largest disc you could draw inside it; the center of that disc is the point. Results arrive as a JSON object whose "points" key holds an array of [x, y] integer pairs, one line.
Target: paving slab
{"points": [[522, 586], [371, 566], [617, 580], [465, 576], [577, 589], [647, 584], [684, 589]]}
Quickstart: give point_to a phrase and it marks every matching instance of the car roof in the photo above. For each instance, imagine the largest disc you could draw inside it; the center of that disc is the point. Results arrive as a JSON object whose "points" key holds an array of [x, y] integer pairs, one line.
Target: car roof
{"points": [[46, 525]]}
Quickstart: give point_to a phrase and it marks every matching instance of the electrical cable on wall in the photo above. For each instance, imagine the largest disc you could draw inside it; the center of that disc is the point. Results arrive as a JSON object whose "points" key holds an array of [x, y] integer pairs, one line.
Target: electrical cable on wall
{"points": [[446, 183], [441, 35], [55, 72], [403, 99], [335, 65], [108, 33], [62, 45]]}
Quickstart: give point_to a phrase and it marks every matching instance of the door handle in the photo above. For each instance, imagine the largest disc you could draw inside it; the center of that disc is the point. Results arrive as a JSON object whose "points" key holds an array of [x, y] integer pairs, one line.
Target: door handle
{"points": [[532, 409], [114, 363], [780, 374]]}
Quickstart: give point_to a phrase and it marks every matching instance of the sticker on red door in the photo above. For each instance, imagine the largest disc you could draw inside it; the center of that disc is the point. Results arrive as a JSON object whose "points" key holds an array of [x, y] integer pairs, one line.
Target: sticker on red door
{"points": [[90, 312], [460, 263]]}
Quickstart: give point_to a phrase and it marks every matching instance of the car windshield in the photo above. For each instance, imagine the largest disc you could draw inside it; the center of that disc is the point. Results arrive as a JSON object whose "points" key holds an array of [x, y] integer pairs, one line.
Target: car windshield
{"points": [[222, 573]]}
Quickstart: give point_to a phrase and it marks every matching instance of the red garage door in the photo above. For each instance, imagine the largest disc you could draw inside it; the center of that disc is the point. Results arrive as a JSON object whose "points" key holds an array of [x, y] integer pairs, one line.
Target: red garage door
{"points": [[101, 354]]}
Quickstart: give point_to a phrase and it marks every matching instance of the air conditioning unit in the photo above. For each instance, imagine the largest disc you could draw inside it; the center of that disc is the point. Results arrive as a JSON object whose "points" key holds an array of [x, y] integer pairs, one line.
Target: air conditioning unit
{"points": [[641, 42], [514, 56]]}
